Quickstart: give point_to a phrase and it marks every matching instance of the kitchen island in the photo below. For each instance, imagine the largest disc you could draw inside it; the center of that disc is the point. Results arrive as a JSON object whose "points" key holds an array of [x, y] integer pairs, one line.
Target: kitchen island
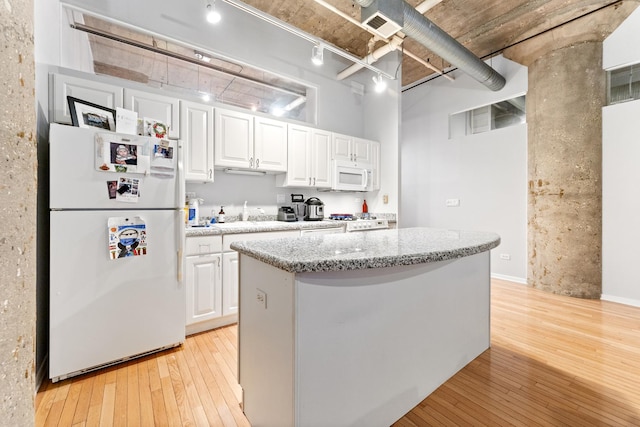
{"points": [[356, 329]]}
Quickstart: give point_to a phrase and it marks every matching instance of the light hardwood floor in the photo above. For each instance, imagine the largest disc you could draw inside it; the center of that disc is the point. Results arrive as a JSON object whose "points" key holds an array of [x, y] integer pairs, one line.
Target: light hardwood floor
{"points": [[553, 361]]}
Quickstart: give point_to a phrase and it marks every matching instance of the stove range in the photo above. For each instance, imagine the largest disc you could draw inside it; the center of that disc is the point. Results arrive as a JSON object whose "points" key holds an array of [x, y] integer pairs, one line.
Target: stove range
{"points": [[366, 225], [342, 217]]}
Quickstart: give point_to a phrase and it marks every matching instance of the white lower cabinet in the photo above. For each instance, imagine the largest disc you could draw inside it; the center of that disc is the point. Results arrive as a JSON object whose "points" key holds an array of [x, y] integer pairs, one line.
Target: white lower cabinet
{"points": [[203, 287], [212, 281], [203, 283], [230, 297]]}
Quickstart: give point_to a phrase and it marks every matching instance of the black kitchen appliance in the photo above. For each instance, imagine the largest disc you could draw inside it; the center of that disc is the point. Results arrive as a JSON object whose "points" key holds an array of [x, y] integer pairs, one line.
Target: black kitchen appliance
{"points": [[297, 204], [314, 209], [286, 213]]}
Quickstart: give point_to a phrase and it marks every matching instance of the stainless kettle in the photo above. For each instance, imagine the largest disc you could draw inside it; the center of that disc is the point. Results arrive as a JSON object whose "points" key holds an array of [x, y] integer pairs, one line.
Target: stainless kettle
{"points": [[313, 209]]}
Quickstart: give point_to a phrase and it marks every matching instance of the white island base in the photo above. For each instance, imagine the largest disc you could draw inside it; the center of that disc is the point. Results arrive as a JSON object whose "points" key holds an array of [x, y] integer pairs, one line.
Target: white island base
{"points": [[358, 347]]}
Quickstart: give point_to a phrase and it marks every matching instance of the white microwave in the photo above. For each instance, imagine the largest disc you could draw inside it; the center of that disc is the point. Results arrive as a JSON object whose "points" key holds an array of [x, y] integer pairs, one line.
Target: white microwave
{"points": [[348, 176]]}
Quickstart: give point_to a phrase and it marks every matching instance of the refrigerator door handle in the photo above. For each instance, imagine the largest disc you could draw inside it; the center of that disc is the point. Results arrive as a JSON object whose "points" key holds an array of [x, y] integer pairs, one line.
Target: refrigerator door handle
{"points": [[180, 184], [180, 225], [180, 243]]}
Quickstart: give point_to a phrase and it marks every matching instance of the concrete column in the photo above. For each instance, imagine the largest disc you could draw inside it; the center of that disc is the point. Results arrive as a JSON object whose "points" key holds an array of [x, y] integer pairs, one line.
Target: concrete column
{"points": [[567, 89], [17, 214], [564, 116]]}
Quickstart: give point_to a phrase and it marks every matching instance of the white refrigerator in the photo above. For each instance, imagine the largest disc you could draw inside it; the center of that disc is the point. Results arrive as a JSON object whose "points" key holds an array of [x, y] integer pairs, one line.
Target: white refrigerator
{"points": [[116, 237]]}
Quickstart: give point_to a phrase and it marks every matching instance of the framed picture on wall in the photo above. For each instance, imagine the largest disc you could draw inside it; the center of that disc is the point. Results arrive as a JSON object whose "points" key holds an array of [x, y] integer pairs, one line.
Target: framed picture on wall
{"points": [[87, 115]]}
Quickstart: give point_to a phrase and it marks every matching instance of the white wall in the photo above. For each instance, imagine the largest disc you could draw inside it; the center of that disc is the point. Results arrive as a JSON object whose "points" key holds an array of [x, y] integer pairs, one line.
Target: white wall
{"points": [[621, 203], [620, 175], [621, 47], [487, 172]]}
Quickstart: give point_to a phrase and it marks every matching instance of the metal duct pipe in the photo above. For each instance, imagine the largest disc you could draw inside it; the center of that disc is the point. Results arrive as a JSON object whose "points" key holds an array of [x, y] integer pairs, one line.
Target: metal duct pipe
{"points": [[442, 44]]}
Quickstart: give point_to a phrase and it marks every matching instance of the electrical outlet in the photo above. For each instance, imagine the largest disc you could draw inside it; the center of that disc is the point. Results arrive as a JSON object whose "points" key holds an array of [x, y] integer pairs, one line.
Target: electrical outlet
{"points": [[357, 201], [452, 203], [385, 199], [261, 297], [506, 257], [280, 198]]}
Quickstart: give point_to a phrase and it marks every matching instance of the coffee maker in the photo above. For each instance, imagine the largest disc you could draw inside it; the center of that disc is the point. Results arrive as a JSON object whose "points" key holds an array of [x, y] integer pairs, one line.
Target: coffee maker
{"points": [[297, 204]]}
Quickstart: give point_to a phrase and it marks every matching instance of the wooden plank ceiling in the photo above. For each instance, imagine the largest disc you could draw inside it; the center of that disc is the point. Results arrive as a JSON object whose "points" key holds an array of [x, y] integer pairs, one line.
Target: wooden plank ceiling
{"points": [[485, 27]]}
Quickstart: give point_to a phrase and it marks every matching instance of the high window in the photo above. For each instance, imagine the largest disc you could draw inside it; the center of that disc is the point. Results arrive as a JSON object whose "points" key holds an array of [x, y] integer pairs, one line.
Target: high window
{"points": [[623, 84], [488, 117]]}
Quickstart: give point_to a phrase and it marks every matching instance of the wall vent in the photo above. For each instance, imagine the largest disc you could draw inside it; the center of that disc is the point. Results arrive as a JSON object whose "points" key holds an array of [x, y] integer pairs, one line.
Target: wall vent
{"points": [[382, 26], [384, 17]]}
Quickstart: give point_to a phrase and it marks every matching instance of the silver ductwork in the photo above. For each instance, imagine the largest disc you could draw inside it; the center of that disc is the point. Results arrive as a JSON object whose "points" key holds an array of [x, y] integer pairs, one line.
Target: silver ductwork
{"points": [[428, 34]]}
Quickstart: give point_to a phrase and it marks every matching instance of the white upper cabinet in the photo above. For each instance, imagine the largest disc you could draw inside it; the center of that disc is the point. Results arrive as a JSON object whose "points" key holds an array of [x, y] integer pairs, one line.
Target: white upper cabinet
{"points": [[105, 95], [321, 158], [270, 145], [233, 139], [309, 158], [153, 106], [299, 157], [248, 142], [351, 149], [342, 147], [196, 123], [362, 150]]}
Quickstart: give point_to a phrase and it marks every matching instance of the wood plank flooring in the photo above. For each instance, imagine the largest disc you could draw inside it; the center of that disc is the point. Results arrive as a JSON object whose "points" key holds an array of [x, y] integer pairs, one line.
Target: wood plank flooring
{"points": [[553, 361]]}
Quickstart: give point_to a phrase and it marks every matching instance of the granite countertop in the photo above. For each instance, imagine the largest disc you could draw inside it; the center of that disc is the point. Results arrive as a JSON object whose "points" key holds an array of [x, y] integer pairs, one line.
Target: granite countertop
{"points": [[258, 227], [372, 249]]}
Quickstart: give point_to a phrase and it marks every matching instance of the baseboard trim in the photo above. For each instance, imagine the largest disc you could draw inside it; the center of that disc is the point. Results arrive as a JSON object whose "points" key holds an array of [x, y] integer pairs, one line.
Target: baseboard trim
{"points": [[207, 325], [514, 279], [619, 300]]}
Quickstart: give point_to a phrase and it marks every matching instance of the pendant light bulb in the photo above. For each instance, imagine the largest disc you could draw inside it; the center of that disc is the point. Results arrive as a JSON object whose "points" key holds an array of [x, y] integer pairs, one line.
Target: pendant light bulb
{"points": [[213, 16], [317, 55], [380, 83]]}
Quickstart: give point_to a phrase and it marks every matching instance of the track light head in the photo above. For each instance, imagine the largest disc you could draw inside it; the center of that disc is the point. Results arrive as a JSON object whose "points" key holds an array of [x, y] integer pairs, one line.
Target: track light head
{"points": [[213, 16], [317, 55], [380, 83]]}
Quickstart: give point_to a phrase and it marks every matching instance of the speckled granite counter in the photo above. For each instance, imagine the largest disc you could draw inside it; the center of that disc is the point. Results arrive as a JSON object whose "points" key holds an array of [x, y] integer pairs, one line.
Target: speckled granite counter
{"points": [[258, 227], [377, 249]]}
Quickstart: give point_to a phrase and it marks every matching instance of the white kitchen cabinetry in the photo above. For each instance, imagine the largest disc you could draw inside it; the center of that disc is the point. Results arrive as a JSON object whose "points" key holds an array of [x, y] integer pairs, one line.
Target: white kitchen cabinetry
{"points": [[106, 95], [351, 149], [203, 280], [196, 122], [248, 142], [233, 139], [270, 145], [309, 158], [230, 280], [153, 106]]}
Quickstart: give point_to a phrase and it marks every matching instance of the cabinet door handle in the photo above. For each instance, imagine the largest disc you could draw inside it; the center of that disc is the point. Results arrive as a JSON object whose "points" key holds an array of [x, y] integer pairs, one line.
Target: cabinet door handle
{"points": [[257, 163], [314, 182], [210, 173], [309, 180], [251, 162]]}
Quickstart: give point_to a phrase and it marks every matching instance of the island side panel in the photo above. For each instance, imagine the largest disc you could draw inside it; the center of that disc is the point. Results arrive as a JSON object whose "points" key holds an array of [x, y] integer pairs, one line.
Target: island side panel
{"points": [[265, 343], [371, 344]]}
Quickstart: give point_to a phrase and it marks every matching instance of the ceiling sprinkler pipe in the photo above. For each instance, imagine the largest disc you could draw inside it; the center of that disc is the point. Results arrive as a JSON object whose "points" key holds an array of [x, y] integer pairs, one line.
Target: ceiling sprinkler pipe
{"points": [[442, 44]]}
